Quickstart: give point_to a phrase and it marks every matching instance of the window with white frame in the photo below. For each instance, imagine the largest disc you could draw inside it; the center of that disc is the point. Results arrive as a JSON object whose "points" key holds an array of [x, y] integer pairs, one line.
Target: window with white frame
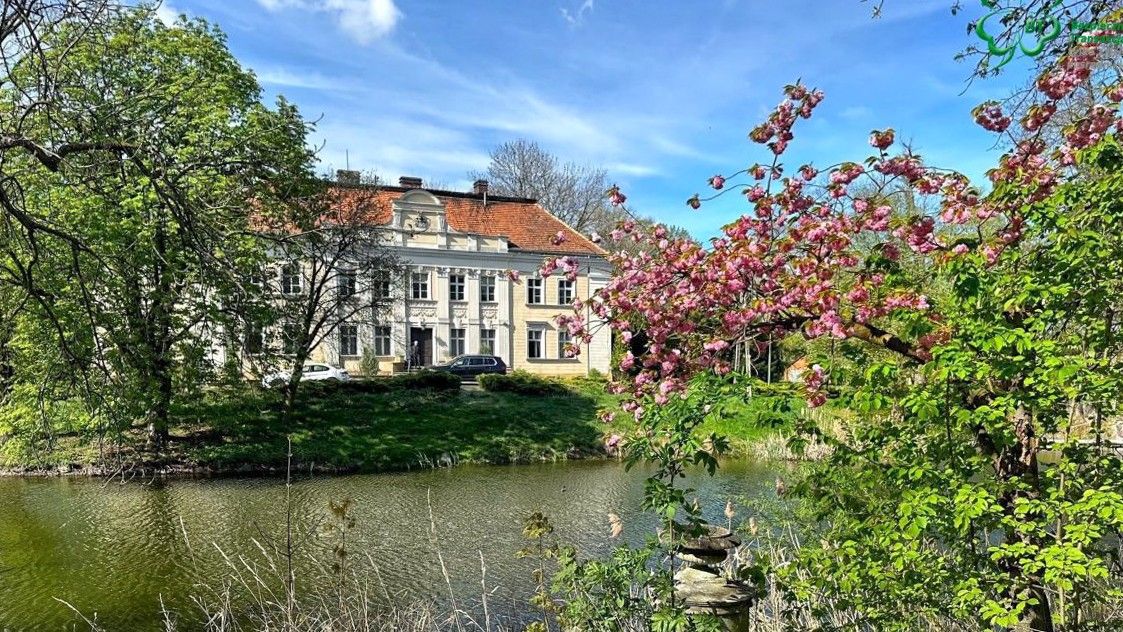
{"points": [[456, 339], [487, 289], [419, 285], [535, 343], [290, 279], [565, 292], [564, 339], [347, 283], [381, 285], [382, 340], [348, 340], [255, 339], [456, 287], [290, 338], [534, 291], [487, 341]]}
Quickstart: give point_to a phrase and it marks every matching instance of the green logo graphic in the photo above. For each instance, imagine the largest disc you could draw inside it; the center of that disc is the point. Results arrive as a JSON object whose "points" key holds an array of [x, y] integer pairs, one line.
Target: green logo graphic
{"points": [[1043, 29]]}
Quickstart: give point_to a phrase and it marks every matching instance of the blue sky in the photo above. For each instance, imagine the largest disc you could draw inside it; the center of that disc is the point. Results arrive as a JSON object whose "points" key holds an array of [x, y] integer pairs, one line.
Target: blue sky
{"points": [[661, 94]]}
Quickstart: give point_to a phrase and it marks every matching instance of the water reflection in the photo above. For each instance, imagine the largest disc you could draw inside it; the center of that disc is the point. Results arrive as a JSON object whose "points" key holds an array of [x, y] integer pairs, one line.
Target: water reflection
{"points": [[116, 550]]}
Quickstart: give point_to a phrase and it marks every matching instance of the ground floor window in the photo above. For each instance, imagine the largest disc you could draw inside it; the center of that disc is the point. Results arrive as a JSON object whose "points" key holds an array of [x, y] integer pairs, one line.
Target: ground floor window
{"points": [[534, 340], [255, 339], [290, 339], [348, 340], [382, 341], [456, 342], [563, 341], [487, 341]]}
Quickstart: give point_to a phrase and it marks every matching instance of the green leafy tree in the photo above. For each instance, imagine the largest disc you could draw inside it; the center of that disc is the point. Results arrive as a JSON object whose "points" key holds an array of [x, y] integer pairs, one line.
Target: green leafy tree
{"points": [[137, 252]]}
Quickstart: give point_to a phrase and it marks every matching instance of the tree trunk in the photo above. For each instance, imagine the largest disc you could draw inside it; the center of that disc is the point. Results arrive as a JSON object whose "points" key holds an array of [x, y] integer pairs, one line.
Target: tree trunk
{"points": [[1018, 463]]}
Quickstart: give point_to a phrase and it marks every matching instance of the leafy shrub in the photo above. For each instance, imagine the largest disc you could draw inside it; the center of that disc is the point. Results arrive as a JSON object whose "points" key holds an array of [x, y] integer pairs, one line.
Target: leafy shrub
{"points": [[523, 383], [427, 380], [421, 380]]}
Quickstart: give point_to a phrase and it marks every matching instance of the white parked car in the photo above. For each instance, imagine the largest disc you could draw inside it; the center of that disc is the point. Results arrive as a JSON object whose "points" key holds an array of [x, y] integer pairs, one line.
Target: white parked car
{"points": [[311, 373]]}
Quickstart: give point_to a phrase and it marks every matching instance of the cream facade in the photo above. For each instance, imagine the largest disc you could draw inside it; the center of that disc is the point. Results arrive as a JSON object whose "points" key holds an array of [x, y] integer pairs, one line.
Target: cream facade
{"points": [[456, 297]]}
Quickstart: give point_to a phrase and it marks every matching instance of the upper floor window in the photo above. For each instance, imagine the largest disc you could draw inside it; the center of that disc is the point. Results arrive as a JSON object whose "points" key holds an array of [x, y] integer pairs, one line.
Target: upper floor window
{"points": [[487, 289], [456, 287], [534, 291], [290, 279], [381, 285], [347, 284], [419, 286], [565, 292]]}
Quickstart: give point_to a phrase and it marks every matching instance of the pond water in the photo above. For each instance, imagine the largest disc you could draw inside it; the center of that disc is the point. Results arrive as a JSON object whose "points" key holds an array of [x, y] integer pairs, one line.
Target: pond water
{"points": [[116, 550]]}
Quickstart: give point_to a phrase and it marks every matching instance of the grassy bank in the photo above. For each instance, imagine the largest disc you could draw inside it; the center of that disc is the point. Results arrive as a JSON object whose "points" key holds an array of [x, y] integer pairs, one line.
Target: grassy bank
{"points": [[397, 426]]}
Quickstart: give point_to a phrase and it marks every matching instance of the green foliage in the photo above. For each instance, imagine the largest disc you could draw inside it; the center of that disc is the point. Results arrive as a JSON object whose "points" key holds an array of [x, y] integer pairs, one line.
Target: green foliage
{"points": [[937, 502], [150, 245], [522, 382]]}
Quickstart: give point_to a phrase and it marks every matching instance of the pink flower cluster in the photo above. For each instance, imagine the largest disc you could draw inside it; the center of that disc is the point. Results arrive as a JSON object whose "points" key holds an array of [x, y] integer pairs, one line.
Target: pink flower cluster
{"points": [[799, 258], [881, 139], [776, 132], [568, 266], [991, 117]]}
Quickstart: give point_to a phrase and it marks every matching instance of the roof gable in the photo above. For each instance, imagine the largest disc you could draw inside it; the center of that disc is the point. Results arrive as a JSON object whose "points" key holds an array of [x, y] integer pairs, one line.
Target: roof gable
{"points": [[524, 222]]}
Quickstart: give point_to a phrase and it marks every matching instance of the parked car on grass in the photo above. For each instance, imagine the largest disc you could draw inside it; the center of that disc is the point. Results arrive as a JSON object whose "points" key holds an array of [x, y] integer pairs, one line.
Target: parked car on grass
{"points": [[472, 365], [311, 373]]}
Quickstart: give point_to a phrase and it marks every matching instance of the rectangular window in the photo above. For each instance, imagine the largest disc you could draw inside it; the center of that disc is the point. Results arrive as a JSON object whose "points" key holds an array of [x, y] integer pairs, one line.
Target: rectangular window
{"points": [[255, 339], [456, 287], [347, 284], [534, 291], [420, 286], [382, 341], [290, 279], [487, 342], [534, 340], [487, 289], [348, 340], [290, 337], [381, 285], [563, 340], [565, 292], [456, 342]]}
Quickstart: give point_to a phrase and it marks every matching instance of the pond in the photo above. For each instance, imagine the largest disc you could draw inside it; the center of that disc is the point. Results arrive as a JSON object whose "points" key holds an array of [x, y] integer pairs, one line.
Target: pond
{"points": [[116, 550]]}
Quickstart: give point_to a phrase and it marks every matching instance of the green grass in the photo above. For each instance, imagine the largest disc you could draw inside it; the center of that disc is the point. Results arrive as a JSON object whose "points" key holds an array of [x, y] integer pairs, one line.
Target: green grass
{"points": [[394, 430], [235, 429]]}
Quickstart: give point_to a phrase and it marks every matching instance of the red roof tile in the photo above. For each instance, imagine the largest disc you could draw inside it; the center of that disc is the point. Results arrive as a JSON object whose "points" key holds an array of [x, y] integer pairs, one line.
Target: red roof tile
{"points": [[524, 222]]}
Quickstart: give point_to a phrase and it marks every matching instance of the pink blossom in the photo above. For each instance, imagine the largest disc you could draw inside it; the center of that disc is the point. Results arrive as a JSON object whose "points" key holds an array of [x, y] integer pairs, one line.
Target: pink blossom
{"points": [[717, 182]]}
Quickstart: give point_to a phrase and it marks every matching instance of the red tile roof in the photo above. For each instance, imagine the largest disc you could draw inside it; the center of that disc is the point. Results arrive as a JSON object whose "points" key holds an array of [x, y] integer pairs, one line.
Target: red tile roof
{"points": [[524, 222]]}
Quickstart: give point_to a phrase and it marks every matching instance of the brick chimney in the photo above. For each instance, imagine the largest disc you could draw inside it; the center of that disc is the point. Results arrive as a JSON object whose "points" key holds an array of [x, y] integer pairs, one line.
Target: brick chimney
{"points": [[346, 176], [479, 187], [409, 182]]}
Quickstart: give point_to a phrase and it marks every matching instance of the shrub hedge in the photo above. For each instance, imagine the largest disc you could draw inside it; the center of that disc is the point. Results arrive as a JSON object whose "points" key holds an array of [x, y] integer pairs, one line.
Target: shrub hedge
{"points": [[419, 380], [523, 383]]}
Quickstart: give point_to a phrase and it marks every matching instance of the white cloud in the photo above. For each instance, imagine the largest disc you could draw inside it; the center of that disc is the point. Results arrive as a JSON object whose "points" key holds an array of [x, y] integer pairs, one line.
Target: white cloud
{"points": [[280, 76], [364, 20], [577, 16], [167, 13]]}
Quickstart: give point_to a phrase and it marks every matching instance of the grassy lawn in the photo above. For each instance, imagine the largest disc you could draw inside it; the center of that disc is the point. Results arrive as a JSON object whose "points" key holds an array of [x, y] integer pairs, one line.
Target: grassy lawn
{"points": [[394, 430], [241, 429]]}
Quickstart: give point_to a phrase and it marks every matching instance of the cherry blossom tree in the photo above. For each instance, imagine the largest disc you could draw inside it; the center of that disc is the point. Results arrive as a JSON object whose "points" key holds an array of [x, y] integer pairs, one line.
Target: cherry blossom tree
{"points": [[966, 524]]}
